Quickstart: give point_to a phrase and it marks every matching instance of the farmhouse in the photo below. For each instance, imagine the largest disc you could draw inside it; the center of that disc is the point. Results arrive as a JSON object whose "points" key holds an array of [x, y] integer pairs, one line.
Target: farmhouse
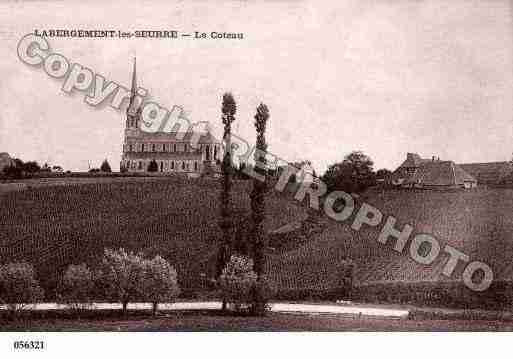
{"points": [[5, 160], [489, 173], [417, 172], [173, 152]]}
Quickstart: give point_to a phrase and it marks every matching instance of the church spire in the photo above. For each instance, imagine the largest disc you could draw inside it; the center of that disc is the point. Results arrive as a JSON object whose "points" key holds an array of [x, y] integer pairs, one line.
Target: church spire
{"points": [[132, 107], [134, 78]]}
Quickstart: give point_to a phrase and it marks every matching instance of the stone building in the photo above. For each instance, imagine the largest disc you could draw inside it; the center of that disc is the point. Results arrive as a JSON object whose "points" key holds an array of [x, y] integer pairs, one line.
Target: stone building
{"points": [[187, 153]]}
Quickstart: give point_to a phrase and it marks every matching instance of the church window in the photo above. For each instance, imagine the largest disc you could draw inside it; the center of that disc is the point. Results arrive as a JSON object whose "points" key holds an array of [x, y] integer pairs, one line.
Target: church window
{"points": [[215, 152], [140, 163], [172, 165], [161, 166], [153, 148], [142, 147], [163, 147], [183, 165], [196, 166], [131, 148], [174, 147], [207, 153]]}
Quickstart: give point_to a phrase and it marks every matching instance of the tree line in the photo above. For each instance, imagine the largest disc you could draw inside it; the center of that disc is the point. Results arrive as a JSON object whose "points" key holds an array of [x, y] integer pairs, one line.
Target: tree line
{"points": [[121, 277], [18, 169]]}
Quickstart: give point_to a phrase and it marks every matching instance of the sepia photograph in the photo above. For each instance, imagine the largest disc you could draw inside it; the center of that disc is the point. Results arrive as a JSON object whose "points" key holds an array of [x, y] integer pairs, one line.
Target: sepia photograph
{"points": [[236, 167]]}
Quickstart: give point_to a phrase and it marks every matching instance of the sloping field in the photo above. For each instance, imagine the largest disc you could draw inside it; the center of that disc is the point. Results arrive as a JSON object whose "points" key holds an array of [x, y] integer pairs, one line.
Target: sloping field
{"points": [[53, 226], [478, 223]]}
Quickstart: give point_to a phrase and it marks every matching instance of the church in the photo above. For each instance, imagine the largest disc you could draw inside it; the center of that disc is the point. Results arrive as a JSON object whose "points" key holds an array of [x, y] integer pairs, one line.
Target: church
{"points": [[173, 152]]}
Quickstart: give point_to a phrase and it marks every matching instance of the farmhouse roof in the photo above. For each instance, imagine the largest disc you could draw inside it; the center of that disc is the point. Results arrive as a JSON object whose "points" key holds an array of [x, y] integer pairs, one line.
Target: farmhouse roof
{"points": [[413, 160], [440, 173], [489, 172]]}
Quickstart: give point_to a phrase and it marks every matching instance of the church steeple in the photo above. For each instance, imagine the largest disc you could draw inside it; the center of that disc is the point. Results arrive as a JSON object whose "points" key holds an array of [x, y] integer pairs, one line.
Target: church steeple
{"points": [[132, 107], [134, 78]]}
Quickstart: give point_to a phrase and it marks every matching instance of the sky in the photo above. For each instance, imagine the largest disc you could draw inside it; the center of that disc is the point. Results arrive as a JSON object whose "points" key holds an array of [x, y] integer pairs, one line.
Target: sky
{"points": [[383, 77]]}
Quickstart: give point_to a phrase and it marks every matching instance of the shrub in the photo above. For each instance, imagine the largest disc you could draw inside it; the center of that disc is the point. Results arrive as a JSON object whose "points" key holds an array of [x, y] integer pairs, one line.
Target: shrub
{"points": [[105, 167], [263, 291], [153, 166], [120, 276], [13, 171], [237, 281], [77, 286], [18, 286], [159, 282]]}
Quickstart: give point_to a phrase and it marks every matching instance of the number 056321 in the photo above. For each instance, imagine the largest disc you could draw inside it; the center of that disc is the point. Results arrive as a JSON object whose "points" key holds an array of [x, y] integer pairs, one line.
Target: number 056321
{"points": [[29, 345]]}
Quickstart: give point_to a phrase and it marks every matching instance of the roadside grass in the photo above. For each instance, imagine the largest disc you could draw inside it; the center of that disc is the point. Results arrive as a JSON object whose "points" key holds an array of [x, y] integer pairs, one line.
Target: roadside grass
{"points": [[216, 321]]}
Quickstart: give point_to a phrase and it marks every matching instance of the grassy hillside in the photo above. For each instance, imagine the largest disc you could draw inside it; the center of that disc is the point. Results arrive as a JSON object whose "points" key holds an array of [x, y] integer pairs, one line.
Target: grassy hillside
{"points": [[479, 223], [55, 225]]}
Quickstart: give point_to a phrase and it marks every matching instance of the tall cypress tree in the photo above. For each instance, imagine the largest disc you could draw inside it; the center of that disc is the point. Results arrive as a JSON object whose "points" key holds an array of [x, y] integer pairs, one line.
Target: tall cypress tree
{"points": [[226, 223], [259, 190]]}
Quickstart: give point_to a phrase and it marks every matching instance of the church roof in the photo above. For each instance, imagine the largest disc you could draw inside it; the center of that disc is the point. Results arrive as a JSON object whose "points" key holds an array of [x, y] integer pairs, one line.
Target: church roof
{"points": [[186, 137], [176, 156]]}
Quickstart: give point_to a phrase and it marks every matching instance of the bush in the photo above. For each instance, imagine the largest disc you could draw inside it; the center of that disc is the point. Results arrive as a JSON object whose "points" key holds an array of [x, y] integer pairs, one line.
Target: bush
{"points": [[159, 282], [105, 167], [18, 286], [353, 174], [242, 289], [120, 276], [77, 286], [153, 166], [263, 292], [237, 281], [13, 172]]}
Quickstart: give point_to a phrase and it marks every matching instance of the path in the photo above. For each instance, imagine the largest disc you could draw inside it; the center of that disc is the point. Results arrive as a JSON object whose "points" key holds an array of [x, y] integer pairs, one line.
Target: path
{"points": [[312, 309]]}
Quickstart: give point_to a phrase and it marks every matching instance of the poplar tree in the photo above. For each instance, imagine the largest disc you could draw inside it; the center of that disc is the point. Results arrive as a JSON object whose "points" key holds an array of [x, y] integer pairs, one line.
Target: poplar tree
{"points": [[259, 190], [228, 109]]}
